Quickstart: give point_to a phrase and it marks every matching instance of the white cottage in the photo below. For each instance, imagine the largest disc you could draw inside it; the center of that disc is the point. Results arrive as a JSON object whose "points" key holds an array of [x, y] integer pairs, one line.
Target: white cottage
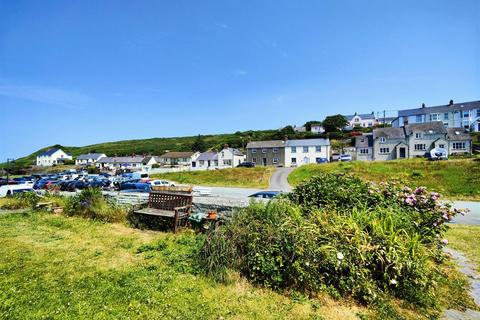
{"points": [[88, 159], [52, 157], [305, 151], [230, 157]]}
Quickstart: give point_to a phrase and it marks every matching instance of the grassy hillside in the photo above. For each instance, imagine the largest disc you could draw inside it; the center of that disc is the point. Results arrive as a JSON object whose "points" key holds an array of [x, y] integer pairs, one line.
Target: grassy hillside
{"points": [[455, 178], [67, 268], [237, 177]]}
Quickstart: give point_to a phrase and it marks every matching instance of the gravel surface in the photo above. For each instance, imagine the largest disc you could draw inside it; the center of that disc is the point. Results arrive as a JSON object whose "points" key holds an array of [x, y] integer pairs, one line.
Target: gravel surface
{"points": [[279, 181]]}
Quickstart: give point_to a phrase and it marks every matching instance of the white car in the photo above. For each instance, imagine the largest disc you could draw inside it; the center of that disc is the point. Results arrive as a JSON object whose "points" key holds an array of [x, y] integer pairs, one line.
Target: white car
{"points": [[162, 183], [346, 157], [10, 189]]}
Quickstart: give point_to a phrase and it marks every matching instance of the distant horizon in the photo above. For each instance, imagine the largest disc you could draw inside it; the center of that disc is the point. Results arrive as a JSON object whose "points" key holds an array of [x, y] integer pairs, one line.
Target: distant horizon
{"points": [[78, 74]]}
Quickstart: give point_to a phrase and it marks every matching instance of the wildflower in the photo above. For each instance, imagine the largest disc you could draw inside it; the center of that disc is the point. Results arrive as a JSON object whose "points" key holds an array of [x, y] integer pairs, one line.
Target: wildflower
{"points": [[340, 256], [446, 216], [419, 190], [393, 281], [445, 241]]}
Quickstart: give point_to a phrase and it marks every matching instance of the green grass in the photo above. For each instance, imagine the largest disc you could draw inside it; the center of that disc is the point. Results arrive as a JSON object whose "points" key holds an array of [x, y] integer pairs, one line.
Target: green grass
{"points": [[236, 177], [464, 238], [56, 267], [454, 179]]}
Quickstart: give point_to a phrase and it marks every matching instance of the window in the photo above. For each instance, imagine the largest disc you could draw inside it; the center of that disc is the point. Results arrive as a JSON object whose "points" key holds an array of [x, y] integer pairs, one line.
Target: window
{"points": [[434, 117], [215, 163], [318, 148], [264, 150], [458, 145], [441, 146], [275, 150], [445, 124], [254, 150], [356, 120], [418, 118], [466, 113], [254, 160], [384, 150], [305, 149], [478, 112], [370, 124], [382, 139], [445, 116], [418, 135], [227, 162], [294, 160], [420, 147], [364, 151], [202, 162], [275, 160], [294, 149]]}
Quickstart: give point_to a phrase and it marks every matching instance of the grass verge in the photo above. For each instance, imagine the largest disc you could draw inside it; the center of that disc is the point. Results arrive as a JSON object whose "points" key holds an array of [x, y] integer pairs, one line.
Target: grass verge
{"points": [[464, 238], [236, 177], [455, 179]]}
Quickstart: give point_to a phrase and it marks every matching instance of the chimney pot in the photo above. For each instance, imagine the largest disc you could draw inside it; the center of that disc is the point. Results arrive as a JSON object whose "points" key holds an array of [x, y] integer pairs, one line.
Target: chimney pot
{"points": [[451, 102], [423, 105]]}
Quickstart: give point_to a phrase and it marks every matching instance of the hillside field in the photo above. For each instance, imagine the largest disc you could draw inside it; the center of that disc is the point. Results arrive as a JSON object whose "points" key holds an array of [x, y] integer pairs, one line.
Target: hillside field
{"points": [[455, 179]]}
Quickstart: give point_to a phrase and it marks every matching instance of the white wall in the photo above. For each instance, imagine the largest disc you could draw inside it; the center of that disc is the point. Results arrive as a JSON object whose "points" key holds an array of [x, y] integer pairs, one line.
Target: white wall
{"points": [[305, 157]]}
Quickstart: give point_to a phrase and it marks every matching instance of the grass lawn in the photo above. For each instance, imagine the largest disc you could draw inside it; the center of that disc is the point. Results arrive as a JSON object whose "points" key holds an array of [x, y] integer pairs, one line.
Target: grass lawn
{"points": [[454, 179], [464, 238], [236, 177]]}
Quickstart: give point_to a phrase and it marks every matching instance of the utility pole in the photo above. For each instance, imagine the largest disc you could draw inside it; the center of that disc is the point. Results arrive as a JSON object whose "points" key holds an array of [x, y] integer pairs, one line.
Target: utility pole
{"points": [[384, 119]]}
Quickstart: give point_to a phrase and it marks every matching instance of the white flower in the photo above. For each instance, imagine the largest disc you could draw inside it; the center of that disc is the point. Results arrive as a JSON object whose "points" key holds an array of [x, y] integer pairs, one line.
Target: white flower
{"points": [[340, 256], [393, 281]]}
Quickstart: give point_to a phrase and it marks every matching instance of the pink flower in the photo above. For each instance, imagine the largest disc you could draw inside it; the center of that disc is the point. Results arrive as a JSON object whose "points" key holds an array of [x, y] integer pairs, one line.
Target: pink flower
{"points": [[445, 241]]}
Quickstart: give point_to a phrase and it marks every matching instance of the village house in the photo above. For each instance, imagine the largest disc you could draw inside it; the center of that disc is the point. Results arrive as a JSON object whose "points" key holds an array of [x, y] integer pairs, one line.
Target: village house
{"points": [[112, 163], [453, 115], [177, 159], [52, 157], [205, 161], [361, 120], [266, 153], [230, 157], [88, 159], [410, 141]]}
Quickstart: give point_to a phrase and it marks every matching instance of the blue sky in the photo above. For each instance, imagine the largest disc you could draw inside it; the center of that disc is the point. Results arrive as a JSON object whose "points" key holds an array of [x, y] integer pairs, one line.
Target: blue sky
{"points": [[82, 72]]}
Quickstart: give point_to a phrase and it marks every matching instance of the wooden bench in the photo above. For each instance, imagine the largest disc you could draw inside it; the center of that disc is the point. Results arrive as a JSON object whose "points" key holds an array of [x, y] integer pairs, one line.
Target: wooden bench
{"points": [[167, 205]]}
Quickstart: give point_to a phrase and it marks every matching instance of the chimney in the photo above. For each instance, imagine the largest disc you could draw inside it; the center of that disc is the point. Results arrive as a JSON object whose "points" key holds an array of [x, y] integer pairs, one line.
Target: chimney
{"points": [[423, 105], [225, 146], [285, 138], [451, 103]]}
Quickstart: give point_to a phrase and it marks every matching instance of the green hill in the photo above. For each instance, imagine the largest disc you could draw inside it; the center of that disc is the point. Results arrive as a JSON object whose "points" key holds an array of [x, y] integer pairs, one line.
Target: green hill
{"points": [[158, 146]]}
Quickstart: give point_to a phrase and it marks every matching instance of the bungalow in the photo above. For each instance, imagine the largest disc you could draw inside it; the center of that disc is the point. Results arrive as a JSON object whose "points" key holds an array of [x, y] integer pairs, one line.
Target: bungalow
{"points": [[177, 159], [205, 161], [52, 157], [230, 157], [88, 159], [112, 163]]}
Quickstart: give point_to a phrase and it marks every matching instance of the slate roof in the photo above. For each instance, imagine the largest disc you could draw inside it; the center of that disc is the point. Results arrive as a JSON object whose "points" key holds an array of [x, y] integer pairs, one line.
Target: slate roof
{"points": [[391, 133], [234, 151], [121, 159], [176, 155], [307, 142], [440, 109], [436, 127], [458, 134], [365, 141], [48, 152], [266, 144], [208, 156], [365, 116], [88, 156]]}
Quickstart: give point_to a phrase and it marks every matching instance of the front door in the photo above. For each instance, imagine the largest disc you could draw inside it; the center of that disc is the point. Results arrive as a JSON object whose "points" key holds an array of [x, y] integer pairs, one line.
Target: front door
{"points": [[264, 161], [402, 153]]}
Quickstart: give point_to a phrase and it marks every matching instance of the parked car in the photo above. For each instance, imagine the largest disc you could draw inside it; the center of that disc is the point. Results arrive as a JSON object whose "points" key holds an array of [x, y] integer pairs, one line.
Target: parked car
{"points": [[346, 157], [322, 160], [246, 165], [158, 183], [11, 189], [265, 194], [335, 157], [437, 154]]}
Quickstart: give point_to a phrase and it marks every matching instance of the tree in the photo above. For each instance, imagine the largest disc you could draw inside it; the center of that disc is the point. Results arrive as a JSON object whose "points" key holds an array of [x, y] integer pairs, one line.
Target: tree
{"points": [[199, 144], [334, 123]]}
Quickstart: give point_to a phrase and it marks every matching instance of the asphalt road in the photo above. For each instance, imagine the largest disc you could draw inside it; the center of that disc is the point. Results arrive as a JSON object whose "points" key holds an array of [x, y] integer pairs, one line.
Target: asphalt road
{"points": [[279, 181], [473, 217]]}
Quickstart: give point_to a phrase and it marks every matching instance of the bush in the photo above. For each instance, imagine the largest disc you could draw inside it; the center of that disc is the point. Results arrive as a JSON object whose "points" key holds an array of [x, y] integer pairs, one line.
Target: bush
{"points": [[90, 203], [338, 234], [20, 201]]}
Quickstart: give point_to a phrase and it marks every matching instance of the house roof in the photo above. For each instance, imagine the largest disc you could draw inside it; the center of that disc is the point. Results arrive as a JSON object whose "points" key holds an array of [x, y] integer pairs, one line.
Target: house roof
{"points": [[435, 127], [364, 141], [88, 156], [307, 142], [391, 133], [440, 109], [134, 159], [266, 144], [234, 151], [175, 155], [206, 156], [458, 134], [48, 152], [365, 116]]}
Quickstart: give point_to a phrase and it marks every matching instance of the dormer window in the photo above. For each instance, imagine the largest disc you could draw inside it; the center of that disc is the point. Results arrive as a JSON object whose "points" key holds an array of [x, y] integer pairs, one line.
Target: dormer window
{"points": [[418, 135], [382, 139]]}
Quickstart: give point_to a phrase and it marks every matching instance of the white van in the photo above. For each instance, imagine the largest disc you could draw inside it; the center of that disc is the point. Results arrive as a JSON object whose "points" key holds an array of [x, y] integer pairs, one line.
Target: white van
{"points": [[10, 189], [140, 175]]}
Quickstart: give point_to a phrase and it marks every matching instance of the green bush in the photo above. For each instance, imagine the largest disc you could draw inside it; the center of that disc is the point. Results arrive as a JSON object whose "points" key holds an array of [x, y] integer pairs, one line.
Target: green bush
{"points": [[90, 203], [20, 201], [337, 234]]}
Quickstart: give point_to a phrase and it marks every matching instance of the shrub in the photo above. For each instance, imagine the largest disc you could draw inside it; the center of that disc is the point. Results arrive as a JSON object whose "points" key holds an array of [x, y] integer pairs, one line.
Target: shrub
{"points": [[20, 201], [90, 203], [338, 234]]}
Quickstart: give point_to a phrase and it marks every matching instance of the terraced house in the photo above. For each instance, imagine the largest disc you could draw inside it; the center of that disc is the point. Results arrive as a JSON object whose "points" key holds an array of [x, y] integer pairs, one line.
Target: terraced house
{"points": [[410, 141]]}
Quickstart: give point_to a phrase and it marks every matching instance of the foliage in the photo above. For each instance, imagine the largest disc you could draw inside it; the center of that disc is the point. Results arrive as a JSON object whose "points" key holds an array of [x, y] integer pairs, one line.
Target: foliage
{"points": [[308, 124], [338, 234], [334, 123], [455, 178], [93, 170], [90, 203], [235, 177], [20, 201], [199, 144]]}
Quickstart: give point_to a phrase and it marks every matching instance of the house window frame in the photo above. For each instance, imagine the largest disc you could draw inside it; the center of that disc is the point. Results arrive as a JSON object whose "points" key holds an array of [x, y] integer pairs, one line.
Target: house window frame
{"points": [[434, 117], [385, 150], [383, 139], [254, 150], [293, 149], [442, 145], [264, 150], [275, 150], [305, 149], [275, 160], [446, 116], [293, 160], [459, 145], [364, 151], [420, 147], [418, 118], [254, 160], [318, 148], [418, 135]]}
